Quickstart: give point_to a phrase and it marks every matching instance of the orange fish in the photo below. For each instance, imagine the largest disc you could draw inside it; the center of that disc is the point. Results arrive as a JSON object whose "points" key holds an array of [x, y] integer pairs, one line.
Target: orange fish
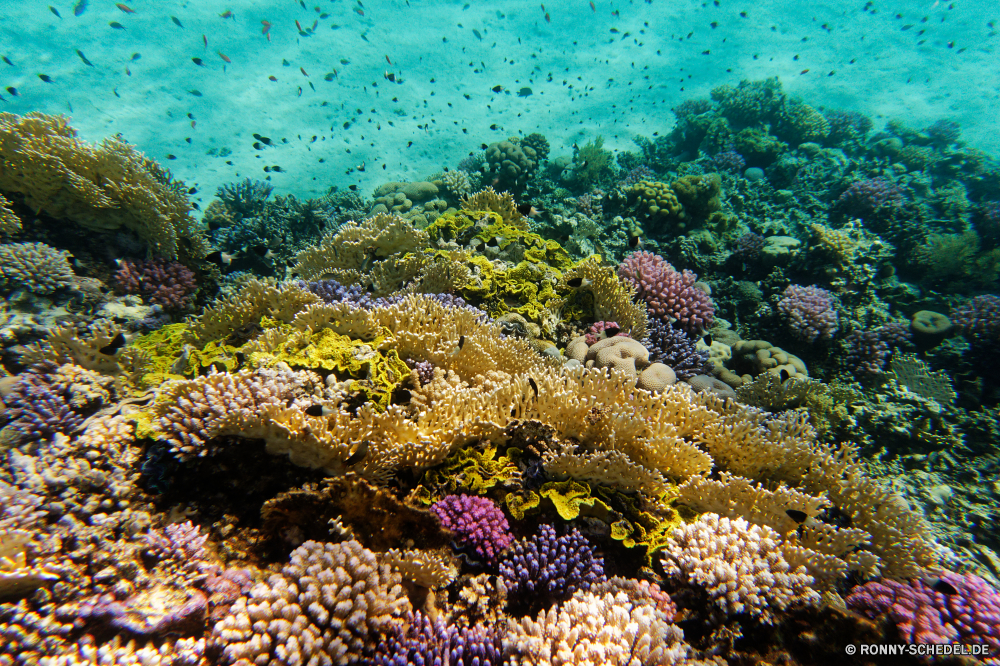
{"points": [[125, 8], [547, 19], [592, 7], [297, 25], [804, 71], [228, 14], [387, 60], [224, 56], [304, 72], [359, 11], [266, 28], [272, 78]]}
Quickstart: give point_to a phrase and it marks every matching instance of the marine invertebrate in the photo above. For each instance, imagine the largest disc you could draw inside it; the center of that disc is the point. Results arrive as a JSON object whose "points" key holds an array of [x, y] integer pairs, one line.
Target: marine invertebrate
{"points": [[246, 198], [847, 125], [545, 567], [810, 312], [674, 348], [741, 566], [332, 601], [867, 353], [670, 295], [425, 641], [658, 204], [979, 320], [332, 291], [457, 183], [100, 188], [872, 196], [10, 223], [951, 608], [750, 102], [729, 161], [37, 267], [478, 522], [615, 627], [611, 296], [510, 163], [168, 283]]}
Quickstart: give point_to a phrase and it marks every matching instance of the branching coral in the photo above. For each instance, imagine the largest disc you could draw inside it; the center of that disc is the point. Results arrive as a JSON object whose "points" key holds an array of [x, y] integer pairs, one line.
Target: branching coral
{"points": [[671, 295], [166, 283], [34, 266], [477, 521], [101, 188], [811, 312], [545, 567]]}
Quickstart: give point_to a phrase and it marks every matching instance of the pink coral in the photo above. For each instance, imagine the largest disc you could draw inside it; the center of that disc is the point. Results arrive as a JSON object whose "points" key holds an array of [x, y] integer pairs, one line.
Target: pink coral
{"points": [[810, 311], [161, 282], [477, 521], [604, 329], [670, 295]]}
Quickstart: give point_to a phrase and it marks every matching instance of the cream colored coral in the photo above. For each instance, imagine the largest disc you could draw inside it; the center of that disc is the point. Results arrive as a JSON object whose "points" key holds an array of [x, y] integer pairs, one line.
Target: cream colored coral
{"points": [[244, 309], [360, 246], [614, 300], [329, 604], [36, 267], [612, 628], [17, 577], [608, 468], [341, 318], [741, 566], [10, 223], [427, 568], [102, 188], [501, 204]]}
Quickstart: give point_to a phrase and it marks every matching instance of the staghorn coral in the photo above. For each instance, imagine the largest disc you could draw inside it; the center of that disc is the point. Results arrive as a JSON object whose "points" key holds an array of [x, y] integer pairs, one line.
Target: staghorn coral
{"points": [[36, 267], [501, 204], [425, 641], [741, 567], [244, 310], [101, 188], [810, 311], [669, 294], [674, 348], [331, 601], [979, 321]]}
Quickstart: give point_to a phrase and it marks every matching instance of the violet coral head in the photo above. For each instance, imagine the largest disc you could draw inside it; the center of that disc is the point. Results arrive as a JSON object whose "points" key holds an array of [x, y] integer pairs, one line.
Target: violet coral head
{"points": [[160, 281], [810, 311], [427, 641], [477, 521], [979, 319], [550, 566], [867, 197], [670, 295], [953, 608]]}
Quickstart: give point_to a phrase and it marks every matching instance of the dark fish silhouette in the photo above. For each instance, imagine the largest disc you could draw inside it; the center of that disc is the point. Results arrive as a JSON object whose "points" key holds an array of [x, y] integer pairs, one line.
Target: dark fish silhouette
{"points": [[796, 515], [116, 25], [177, 21], [84, 58], [45, 77], [55, 11], [80, 7], [112, 347]]}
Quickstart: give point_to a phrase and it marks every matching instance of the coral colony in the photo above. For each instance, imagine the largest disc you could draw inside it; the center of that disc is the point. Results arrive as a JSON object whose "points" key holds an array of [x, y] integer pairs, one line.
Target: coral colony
{"points": [[729, 398]]}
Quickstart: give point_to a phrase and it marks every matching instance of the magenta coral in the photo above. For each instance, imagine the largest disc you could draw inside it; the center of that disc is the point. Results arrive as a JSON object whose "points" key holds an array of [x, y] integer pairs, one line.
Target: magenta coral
{"points": [[604, 329], [670, 295], [955, 608], [161, 282], [477, 521], [810, 311]]}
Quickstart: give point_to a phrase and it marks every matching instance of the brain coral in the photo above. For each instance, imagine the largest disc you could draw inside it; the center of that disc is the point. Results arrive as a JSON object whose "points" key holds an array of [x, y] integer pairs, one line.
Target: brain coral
{"points": [[330, 604]]}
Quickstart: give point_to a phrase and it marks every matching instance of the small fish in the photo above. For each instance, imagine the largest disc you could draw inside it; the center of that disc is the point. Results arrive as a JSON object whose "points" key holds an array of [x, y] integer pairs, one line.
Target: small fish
{"points": [[136, 56], [298, 25], [112, 347], [574, 283], [497, 89], [45, 77], [616, 13], [359, 11], [477, 34], [7, 60], [458, 347], [80, 7], [116, 25], [177, 21], [219, 258], [707, 339], [266, 28], [387, 60], [55, 11], [195, 92], [400, 397], [796, 515], [318, 410], [533, 385], [783, 375], [224, 56], [548, 19], [804, 71], [633, 241], [358, 455], [227, 14], [272, 78], [304, 72], [593, 7], [611, 331], [205, 40], [263, 251], [125, 8], [198, 61], [84, 58], [12, 90]]}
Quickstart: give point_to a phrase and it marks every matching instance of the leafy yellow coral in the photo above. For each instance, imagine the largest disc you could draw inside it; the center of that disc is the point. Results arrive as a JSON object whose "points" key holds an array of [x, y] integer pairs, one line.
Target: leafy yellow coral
{"points": [[472, 471], [520, 503]]}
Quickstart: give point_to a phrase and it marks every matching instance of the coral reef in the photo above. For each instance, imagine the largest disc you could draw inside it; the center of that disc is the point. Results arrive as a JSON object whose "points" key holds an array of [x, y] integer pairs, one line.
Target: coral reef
{"points": [[546, 568], [477, 521], [34, 266], [166, 283], [810, 312], [669, 294]]}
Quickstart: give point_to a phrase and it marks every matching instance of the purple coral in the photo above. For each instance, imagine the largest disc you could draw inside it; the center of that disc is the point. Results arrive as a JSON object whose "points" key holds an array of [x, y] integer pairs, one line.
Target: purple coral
{"points": [[477, 521], [639, 173], [548, 566], [604, 329], [845, 125], [979, 320], [42, 403], [670, 295], [811, 312], [170, 284], [867, 353], [332, 291], [425, 370], [157, 610], [671, 346], [729, 161], [987, 221], [749, 246], [956, 608], [424, 641], [865, 198]]}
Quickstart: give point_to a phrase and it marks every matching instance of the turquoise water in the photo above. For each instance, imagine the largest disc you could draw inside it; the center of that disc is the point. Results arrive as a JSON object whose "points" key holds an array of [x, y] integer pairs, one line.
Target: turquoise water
{"points": [[417, 332]]}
